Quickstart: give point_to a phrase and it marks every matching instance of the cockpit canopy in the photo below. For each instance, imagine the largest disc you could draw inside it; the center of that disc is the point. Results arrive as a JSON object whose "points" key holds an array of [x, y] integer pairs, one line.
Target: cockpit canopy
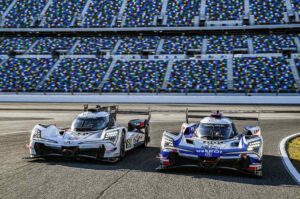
{"points": [[212, 131], [90, 124]]}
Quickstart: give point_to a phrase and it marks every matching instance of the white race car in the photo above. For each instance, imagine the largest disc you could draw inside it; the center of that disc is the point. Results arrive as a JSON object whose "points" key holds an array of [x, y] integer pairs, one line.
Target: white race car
{"points": [[93, 134]]}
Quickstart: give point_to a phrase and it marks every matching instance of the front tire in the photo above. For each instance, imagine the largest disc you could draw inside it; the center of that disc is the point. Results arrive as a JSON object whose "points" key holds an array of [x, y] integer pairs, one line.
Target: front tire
{"points": [[147, 137]]}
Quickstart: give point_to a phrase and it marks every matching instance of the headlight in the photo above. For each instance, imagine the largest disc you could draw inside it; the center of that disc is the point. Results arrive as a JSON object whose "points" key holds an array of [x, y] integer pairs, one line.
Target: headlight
{"points": [[112, 136], [36, 133], [254, 145], [166, 142]]}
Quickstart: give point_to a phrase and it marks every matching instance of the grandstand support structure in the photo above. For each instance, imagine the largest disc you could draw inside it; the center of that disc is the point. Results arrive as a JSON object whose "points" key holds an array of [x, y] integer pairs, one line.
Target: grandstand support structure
{"points": [[229, 74], [250, 45], [164, 7], [122, 8], [168, 74], [31, 47], [50, 72], [84, 11], [44, 12], [7, 11], [115, 49], [202, 9], [4, 59], [288, 6], [160, 46], [86, 7], [297, 17], [295, 72], [204, 46], [72, 50], [246, 7], [107, 74], [297, 42]]}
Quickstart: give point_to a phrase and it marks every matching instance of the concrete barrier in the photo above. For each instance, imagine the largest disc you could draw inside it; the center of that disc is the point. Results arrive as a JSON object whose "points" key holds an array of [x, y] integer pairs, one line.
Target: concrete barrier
{"points": [[153, 99]]}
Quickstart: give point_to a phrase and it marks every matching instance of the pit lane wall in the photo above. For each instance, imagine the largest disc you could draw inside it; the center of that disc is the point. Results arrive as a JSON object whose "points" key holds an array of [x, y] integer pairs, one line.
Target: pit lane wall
{"points": [[150, 99]]}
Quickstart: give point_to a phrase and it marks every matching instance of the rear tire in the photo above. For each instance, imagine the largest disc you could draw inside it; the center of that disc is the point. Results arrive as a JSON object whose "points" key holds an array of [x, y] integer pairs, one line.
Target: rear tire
{"points": [[122, 146]]}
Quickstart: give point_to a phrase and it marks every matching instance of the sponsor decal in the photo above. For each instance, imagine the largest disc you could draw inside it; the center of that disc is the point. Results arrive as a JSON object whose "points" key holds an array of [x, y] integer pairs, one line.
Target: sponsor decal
{"points": [[128, 143], [68, 142], [209, 151]]}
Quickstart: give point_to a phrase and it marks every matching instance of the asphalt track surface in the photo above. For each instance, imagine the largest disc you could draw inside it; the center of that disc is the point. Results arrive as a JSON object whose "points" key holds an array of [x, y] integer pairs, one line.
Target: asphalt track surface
{"points": [[135, 176]]}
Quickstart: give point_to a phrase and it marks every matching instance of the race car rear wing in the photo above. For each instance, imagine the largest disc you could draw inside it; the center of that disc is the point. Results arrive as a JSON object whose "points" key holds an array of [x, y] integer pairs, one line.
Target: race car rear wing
{"points": [[114, 111], [218, 114]]}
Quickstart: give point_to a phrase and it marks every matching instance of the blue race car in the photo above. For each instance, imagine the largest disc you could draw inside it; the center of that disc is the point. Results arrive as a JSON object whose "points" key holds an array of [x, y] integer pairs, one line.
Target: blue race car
{"points": [[214, 142]]}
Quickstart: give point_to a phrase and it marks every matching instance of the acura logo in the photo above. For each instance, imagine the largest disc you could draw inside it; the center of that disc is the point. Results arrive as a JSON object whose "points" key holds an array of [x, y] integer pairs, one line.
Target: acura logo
{"points": [[68, 142]]}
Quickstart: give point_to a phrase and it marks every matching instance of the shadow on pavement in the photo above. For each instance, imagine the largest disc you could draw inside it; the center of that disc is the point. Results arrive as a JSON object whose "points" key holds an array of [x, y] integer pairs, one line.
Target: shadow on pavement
{"points": [[144, 160]]}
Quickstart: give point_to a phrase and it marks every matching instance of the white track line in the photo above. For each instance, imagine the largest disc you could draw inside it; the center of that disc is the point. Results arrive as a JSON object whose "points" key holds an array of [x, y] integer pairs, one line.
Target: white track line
{"points": [[13, 133], [286, 161]]}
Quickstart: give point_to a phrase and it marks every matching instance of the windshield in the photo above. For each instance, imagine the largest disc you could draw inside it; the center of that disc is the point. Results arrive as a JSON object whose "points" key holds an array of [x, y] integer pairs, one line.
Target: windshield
{"points": [[215, 131], [90, 124]]}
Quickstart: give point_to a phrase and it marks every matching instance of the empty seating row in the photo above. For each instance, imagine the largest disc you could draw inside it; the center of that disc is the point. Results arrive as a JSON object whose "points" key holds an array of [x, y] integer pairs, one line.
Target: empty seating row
{"points": [[136, 45], [226, 44], [142, 13], [261, 74], [105, 13], [23, 74], [24, 13], [77, 75], [250, 74], [102, 13], [198, 76], [216, 44], [273, 43], [182, 12], [61, 13], [136, 76], [224, 9], [268, 11], [180, 44]]}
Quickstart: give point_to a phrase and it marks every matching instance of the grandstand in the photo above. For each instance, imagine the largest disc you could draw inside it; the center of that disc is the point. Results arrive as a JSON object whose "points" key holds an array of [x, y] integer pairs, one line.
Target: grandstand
{"points": [[160, 46]]}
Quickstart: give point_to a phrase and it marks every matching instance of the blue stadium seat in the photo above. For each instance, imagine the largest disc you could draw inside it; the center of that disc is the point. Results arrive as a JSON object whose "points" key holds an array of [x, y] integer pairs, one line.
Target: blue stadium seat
{"points": [[141, 13], [297, 61], [136, 76], [91, 45], [296, 5], [224, 9], [15, 43], [226, 44], [4, 5], [195, 76], [77, 75], [46, 45], [182, 12], [61, 13], [180, 44], [272, 43], [102, 13], [268, 11], [23, 74], [135, 45], [23, 13], [263, 75]]}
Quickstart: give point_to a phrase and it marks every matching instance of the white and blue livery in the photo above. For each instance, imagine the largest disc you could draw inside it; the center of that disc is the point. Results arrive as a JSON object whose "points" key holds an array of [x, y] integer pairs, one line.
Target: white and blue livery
{"points": [[213, 142]]}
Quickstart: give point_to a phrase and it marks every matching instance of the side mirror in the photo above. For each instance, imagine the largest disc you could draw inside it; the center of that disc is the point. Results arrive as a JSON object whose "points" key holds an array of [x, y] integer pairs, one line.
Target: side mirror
{"points": [[252, 131]]}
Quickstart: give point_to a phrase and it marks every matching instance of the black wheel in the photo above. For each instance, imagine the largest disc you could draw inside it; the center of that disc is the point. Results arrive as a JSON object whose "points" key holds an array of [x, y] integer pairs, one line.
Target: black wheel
{"points": [[147, 137], [259, 173], [122, 145]]}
